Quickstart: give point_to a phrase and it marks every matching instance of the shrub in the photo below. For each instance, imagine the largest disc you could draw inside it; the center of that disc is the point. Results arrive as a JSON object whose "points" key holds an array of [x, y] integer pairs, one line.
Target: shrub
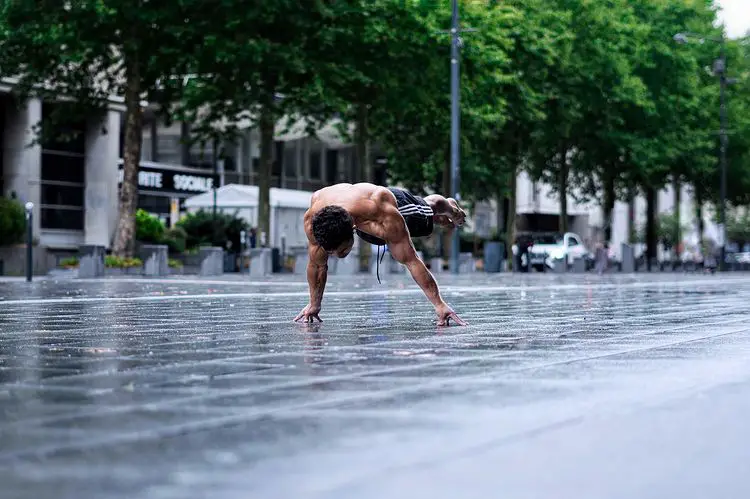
{"points": [[148, 228], [69, 262], [174, 264], [202, 228], [12, 221], [176, 239], [121, 263]]}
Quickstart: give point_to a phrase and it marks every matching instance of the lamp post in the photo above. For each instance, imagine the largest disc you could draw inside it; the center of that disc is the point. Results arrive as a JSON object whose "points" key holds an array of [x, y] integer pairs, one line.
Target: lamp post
{"points": [[456, 43], [720, 70], [29, 208]]}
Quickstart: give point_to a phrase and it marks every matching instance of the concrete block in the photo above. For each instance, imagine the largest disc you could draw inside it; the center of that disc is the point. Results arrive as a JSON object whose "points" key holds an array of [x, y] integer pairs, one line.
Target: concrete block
{"points": [[579, 266], [212, 261], [155, 260], [300, 262], [261, 263], [436, 265], [628, 259], [466, 263], [602, 260], [561, 266], [91, 261]]}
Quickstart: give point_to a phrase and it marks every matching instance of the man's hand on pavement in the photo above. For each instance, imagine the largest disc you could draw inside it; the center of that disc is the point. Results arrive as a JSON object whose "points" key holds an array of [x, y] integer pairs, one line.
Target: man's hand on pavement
{"points": [[309, 313], [445, 314]]}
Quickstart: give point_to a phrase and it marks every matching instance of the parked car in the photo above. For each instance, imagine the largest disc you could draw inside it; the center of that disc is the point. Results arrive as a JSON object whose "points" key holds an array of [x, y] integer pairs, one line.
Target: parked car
{"points": [[546, 249]]}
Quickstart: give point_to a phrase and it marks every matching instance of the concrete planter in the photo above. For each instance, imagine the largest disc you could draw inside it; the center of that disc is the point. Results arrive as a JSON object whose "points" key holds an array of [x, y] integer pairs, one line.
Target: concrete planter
{"points": [[13, 260]]}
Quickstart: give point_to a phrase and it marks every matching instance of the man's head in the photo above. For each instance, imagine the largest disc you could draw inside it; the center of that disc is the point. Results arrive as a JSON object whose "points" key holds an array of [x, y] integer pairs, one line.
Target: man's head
{"points": [[333, 229]]}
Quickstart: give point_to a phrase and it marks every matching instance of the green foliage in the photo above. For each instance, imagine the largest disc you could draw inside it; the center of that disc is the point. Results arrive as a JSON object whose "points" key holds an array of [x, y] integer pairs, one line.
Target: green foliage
{"points": [[202, 229], [738, 227], [118, 262], [70, 262], [174, 264], [176, 239], [12, 222], [148, 228]]}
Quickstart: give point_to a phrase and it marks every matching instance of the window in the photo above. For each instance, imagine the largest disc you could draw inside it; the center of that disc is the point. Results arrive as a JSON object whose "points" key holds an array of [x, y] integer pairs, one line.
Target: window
{"points": [[63, 174], [290, 158], [315, 152], [572, 241], [169, 146], [332, 166], [148, 144], [201, 154]]}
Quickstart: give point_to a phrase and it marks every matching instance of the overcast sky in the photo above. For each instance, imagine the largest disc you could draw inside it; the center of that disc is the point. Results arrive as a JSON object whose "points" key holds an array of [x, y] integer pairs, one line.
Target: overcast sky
{"points": [[736, 15]]}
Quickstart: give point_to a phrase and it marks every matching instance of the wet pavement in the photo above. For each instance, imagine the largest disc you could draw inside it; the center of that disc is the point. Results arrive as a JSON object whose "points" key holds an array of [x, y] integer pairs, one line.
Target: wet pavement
{"points": [[562, 386]]}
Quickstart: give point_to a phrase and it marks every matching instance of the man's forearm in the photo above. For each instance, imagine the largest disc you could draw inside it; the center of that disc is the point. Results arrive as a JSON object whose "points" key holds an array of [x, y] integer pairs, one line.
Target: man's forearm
{"points": [[426, 281], [316, 278]]}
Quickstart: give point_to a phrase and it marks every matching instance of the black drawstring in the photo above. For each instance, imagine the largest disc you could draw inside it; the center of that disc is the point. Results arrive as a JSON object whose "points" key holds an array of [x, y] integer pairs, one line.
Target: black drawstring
{"points": [[378, 259]]}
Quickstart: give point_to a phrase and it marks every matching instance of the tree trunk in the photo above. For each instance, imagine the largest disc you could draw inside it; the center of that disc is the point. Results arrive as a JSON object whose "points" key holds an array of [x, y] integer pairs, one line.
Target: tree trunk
{"points": [[363, 144], [510, 220], [651, 241], [124, 243], [562, 188], [609, 206], [631, 217], [677, 187], [264, 174], [699, 217], [500, 213]]}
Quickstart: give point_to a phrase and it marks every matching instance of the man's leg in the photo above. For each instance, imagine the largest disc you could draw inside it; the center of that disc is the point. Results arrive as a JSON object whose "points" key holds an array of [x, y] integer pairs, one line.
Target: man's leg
{"points": [[446, 211]]}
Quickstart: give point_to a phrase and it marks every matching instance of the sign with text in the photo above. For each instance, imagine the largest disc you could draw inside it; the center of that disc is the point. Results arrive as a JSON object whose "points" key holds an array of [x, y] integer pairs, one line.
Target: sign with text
{"points": [[171, 181]]}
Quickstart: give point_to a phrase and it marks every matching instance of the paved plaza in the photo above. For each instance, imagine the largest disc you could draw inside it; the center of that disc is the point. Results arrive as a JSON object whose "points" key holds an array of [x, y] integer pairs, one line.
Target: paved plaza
{"points": [[562, 386]]}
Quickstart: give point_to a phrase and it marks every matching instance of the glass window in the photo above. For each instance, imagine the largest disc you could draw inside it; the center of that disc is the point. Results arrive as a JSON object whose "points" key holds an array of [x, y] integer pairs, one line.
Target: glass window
{"points": [[169, 143], [62, 218], [290, 158], [315, 153], [572, 241], [63, 176], [201, 155], [332, 166], [147, 146]]}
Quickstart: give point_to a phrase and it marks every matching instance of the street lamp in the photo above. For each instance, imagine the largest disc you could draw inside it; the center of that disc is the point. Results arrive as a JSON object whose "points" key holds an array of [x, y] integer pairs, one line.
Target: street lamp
{"points": [[720, 68]]}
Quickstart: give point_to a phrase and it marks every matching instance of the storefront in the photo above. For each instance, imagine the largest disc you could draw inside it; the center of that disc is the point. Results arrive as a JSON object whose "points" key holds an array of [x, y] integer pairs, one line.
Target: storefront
{"points": [[162, 189]]}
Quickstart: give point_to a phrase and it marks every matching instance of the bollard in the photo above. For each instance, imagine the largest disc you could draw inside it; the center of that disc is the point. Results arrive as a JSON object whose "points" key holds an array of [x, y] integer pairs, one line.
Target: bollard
{"points": [[29, 241], [243, 247]]}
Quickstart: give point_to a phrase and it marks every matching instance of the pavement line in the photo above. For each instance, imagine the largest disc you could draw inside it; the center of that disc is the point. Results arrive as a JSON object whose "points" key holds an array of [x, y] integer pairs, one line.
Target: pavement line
{"points": [[239, 418], [415, 290]]}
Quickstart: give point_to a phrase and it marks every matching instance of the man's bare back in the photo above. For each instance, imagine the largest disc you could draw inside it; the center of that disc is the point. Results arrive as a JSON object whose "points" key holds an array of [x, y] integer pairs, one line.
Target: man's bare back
{"points": [[381, 216]]}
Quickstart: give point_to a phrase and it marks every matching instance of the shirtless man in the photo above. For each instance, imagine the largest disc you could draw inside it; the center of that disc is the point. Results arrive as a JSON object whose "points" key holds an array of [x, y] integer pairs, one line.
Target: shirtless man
{"points": [[379, 216]]}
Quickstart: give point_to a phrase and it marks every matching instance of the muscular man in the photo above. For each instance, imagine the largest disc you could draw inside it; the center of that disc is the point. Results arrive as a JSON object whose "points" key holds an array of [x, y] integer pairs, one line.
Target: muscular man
{"points": [[379, 216]]}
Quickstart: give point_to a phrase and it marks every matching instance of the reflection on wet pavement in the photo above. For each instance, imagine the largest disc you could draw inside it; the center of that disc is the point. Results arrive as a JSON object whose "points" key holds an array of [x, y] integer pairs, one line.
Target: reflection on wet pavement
{"points": [[182, 388]]}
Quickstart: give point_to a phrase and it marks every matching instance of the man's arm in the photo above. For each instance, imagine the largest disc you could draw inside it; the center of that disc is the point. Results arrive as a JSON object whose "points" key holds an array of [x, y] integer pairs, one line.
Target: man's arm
{"points": [[317, 274], [402, 249]]}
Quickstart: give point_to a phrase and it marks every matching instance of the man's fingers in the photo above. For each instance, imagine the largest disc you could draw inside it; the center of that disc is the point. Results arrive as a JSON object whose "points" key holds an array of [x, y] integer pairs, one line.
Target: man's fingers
{"points": [[458, 320]]}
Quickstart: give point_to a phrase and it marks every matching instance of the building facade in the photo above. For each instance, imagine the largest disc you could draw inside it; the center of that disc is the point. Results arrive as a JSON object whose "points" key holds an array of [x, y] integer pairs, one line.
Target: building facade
{"points": [[74, 184]]}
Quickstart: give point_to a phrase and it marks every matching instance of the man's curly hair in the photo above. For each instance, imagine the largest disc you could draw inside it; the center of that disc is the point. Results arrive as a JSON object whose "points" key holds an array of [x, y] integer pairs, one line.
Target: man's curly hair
{"points": [[332, 226]]}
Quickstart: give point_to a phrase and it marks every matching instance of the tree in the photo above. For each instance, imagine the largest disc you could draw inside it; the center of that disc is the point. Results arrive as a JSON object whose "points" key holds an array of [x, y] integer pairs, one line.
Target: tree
{"points": [[257, 69], [87, 52]]}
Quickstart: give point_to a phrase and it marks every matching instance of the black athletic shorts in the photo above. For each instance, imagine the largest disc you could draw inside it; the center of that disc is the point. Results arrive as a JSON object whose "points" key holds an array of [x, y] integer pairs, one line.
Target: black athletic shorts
{"points": [[416, 212]]}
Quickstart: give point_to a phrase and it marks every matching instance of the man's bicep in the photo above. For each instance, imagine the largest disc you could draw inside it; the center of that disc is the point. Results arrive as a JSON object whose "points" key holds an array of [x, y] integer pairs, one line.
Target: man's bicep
{"points": [[401, 247]]}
